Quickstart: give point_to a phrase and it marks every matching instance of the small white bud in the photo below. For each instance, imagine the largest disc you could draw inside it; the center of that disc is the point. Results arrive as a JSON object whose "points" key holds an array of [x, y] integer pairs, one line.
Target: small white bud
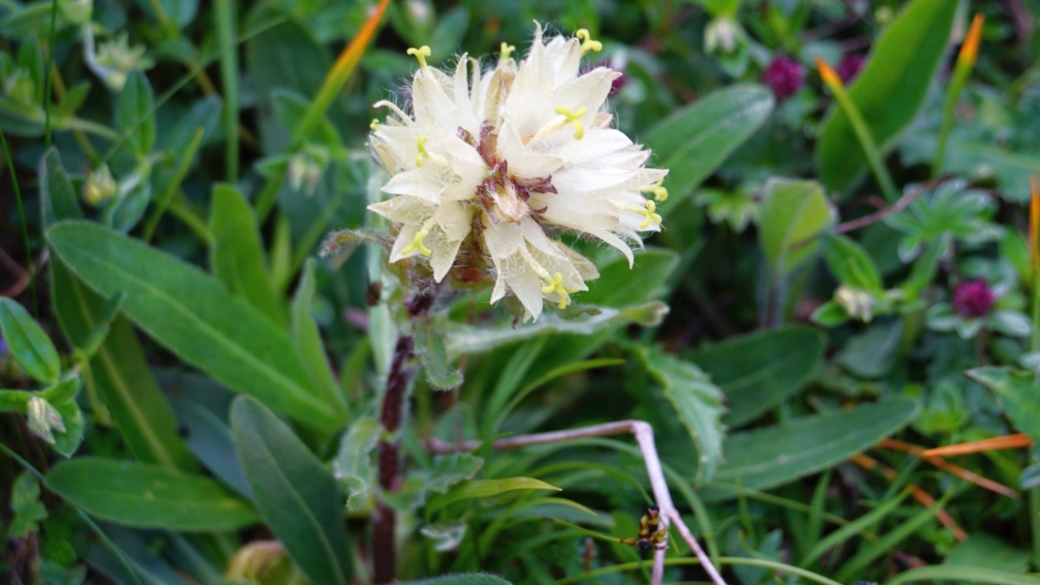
{"points": [[43, 419]]}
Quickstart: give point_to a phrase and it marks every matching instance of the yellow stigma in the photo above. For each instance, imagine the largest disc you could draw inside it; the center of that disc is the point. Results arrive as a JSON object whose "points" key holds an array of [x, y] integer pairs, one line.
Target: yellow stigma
{"points": [[587, 44], [421, 54], [505, 50], [417, 244], [375, 124], [660, 193], [572, 118], [422, 151], [651, 217], [555, 284]]}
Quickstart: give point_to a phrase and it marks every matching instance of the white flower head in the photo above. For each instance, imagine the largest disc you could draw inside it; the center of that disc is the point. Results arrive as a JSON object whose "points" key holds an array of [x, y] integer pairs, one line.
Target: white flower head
{"points": [[498, 162]]}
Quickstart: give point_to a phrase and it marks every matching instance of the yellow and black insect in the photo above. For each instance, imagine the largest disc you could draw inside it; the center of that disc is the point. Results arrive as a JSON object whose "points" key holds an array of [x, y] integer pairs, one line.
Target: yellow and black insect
{"points": [[651, 535]]}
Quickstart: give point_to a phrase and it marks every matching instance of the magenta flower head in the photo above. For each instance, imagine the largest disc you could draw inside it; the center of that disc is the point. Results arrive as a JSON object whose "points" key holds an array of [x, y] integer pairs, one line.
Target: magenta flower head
{"points": [[784, 76], [849, 67], [973, 298]]}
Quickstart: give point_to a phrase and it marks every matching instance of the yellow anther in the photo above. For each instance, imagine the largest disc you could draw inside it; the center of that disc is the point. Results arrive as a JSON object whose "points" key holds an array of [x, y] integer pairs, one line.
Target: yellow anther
{"points": [[573, 118], [421, 54], [660, 193], [505, 50], [651, 217], [375, 124], [555, 284], [422, 151], [587, 44], [417, 244]]}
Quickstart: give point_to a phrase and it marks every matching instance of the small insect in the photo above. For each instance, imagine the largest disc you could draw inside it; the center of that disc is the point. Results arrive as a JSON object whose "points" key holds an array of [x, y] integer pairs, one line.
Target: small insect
{"points": [[651, 536]]}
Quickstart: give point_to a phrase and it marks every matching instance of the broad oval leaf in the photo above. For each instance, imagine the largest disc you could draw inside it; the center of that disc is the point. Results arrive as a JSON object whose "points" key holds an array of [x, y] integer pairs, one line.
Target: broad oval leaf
{"points": [[888, 92], [850, 263], [295, 493], [193, 315], [694, 141], [792, 216], [27, 342], [1018, 393], [772, 456], [149, 496], [759, 371]]}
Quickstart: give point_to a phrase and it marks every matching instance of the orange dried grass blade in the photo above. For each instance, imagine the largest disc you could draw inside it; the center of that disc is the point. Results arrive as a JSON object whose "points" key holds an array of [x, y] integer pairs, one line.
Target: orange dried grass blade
{"points": [[1006, 442], [871, 464], [952, 469]]}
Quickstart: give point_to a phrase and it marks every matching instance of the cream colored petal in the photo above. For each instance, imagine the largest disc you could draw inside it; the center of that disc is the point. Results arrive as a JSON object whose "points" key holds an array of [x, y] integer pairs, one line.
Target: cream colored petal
{"points": [[404, 209], [404, 239], [424, 183]]}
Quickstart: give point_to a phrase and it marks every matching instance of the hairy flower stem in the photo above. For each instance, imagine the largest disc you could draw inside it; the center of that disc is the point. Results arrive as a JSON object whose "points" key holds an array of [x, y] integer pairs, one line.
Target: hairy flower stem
{"points": [[383, 554]]}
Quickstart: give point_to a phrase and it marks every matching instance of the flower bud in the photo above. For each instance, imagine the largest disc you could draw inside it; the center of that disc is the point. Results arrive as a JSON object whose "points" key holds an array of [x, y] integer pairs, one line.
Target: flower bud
{"points": [[99, 187], [721, 33], [784, 76], [973, 298], [44, 419], [858, 303]]}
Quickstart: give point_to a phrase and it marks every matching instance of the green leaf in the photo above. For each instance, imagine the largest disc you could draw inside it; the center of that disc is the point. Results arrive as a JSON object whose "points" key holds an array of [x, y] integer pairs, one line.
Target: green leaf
{"points": [[67, 442], [135, 113], [985, 551], [237, 254], [757, 372], [1017, 392], [793, 215], [118, 366], [26, 505], [449, 470], [148, 496], [294, 492], [429, 343], [619, 285], [888, 92], [462, 579], [829, 314], [874, 352], [194, 316], [850, 263], [695, 140], [463, 339], [308, 339], [772, 456], [938, 573], [485, 488], [353, 463], [697, 402], [28, 344]]}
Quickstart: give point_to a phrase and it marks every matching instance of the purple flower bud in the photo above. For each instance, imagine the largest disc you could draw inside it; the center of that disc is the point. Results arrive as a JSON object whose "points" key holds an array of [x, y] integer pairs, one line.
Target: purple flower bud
{"points": [[973, 298], [784, 76], [850, 66]]}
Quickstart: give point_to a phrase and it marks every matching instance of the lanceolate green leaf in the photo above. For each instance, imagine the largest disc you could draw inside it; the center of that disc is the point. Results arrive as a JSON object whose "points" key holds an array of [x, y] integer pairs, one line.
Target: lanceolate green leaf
{"points": [[118, 367], [194, 316], [27, 342], [308, 340], [148, 496], [772, 456], [694, 141], [135, 114], [294, 492], [237, 254], [759, 371], [697, 402], [889, 91]]}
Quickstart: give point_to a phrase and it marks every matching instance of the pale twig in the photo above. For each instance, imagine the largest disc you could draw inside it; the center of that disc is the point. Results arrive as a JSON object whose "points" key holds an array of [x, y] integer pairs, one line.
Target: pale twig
{"points": [[644, 435]]}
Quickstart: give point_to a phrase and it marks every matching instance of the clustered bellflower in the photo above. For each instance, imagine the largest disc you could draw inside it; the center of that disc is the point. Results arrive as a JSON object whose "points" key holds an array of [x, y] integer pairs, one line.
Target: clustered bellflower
{"points": [[489, 166]]}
